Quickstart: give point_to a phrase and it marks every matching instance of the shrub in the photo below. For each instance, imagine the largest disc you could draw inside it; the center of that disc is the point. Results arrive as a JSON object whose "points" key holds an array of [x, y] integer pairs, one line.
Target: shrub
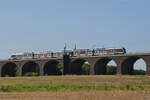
{"points": [[111, 70], [31, 74], [59, 69], [17, 72], [7, 75], [86, 69], [139, 72]]}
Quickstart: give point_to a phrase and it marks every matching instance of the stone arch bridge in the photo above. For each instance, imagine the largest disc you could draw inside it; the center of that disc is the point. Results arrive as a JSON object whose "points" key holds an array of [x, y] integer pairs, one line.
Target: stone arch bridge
{"points": [[72, 65]]}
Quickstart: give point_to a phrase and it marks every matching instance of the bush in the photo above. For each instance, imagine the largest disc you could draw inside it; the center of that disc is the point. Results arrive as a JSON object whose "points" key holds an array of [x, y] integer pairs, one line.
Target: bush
{"points": [[86, 69], [111, 70], [139, 72], [45, 74], [6, 75], [59, 69], [31, 74], [17, 72]]}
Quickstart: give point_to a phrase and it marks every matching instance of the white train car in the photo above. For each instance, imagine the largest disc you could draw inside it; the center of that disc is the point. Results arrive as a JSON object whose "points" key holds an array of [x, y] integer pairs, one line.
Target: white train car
{"points": [[71, 53]]}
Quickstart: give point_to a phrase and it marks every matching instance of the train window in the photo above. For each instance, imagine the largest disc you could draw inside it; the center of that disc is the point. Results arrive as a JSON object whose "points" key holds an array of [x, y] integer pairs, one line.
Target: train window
{"points": [[71, 53], [111, 50], [101, 51], [30, 54], [119, 50], [82, 52], [54, 54], [89, 52], [18, 57], [35, 55], [42, 55], [96, 51], [45, 55], [13, 56], [25, 55]]}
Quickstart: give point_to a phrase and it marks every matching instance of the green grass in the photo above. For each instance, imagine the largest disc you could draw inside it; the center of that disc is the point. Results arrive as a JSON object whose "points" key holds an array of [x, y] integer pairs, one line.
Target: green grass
{"points": [[10, 88], [75, 83]]}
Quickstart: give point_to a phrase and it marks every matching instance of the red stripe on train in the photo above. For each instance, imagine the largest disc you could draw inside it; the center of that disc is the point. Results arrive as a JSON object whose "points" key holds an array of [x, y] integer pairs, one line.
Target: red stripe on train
{"points": [[78, 53]]}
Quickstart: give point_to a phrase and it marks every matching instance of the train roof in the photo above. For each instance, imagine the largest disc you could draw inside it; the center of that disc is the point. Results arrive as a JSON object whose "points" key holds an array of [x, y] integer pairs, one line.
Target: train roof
{"points": [[115, 48], [82, 49], [17, 53]]}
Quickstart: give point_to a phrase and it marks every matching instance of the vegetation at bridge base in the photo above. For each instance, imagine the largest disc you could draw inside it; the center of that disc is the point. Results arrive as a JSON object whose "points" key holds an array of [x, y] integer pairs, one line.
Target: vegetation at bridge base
{"points": [[31, 74], [139, 72], [111, 70], [17, 72], [59, 69], [85, 69]]}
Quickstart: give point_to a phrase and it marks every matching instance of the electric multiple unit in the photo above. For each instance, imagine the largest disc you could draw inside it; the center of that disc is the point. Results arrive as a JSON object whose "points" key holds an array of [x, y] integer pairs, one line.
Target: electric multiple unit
{"points": [[72, 53]]}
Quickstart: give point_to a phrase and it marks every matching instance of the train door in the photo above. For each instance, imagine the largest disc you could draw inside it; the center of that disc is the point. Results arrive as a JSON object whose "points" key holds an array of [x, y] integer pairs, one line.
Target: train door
{"points": [[108, 51], [39, 56], [89, 52], [58, 54], [21, 57], [35, 55], [15, 57], [111, 51], [45, 55], [82, 52], [86, 52], [49, 55], [55, 55], [115, 51]]}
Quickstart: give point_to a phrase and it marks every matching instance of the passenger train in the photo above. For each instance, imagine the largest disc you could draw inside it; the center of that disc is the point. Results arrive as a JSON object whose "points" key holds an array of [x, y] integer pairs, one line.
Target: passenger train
{"points": [[71, 53]]}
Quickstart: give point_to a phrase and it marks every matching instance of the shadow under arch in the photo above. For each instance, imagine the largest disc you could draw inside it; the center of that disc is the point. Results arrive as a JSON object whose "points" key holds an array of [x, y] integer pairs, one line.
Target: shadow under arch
{"points": [[77, 67], [100, 66], [30, 66], [52, 67], [9, 69], [127, 67]]}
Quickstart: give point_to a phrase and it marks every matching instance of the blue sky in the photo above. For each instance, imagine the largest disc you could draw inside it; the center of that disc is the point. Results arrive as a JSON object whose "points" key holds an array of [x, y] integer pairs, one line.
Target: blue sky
{"points": [[41, 25]]}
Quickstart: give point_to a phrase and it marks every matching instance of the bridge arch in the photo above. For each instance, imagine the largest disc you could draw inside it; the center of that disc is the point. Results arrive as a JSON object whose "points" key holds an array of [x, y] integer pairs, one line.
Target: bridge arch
{"points": [[79, 67], [9, 69], [127, 66], [30, 67], [52, 67], [140, 67], [100, 66]]}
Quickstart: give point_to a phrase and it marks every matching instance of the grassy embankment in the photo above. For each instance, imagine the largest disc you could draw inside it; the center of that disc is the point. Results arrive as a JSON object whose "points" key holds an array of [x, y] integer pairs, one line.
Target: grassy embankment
{"points": [[75, 83]]}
